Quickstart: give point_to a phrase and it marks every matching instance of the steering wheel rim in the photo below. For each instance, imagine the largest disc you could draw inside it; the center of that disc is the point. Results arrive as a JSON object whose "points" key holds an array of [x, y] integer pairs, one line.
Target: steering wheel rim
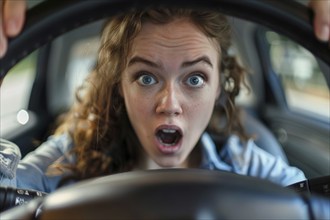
{"points": [[175, 194]]}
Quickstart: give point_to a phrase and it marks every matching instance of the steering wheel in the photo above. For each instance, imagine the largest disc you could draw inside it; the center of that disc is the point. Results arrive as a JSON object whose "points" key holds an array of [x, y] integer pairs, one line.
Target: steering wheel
{"points": [[175, 193]]}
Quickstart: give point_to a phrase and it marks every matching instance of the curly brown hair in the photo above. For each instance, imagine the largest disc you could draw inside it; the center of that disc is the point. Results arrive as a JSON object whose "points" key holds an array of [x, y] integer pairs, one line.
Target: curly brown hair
{"points": [[104, 140]]}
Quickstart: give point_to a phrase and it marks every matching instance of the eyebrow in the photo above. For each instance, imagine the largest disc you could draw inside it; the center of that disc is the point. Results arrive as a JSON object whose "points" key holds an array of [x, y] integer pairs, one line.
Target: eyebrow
{"points": [[138, 59], [203, 59]]}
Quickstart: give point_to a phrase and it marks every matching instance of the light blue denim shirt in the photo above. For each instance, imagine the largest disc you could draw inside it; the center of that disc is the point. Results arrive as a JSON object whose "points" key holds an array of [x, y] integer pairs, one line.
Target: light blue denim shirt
{"points": [[249, 160], [234, 157]]}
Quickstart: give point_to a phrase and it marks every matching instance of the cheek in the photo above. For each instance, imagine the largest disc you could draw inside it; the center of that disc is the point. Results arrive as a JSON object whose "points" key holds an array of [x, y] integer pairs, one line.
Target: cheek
{"points": [[131, 101], [137, 105], [199, 112]]}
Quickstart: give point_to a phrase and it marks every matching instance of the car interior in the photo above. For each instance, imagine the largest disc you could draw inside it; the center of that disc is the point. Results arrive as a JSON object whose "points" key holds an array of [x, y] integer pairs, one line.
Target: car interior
{"points": [[278, 108]]}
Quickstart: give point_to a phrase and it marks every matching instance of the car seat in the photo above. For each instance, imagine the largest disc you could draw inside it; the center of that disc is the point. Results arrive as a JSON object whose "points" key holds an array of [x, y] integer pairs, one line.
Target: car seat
{"points": [[264, 138]]}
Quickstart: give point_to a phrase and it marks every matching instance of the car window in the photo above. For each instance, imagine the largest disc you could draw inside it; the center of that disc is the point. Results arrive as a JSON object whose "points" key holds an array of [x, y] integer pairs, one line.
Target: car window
{"points": [[300, 75], [69, 71], [82, 59], [15, 91]]}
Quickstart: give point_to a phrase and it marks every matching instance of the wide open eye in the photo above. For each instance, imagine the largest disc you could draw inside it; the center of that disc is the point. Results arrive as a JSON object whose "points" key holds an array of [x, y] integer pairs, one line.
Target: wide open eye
{"points": [[195, 81], [146, 80]]}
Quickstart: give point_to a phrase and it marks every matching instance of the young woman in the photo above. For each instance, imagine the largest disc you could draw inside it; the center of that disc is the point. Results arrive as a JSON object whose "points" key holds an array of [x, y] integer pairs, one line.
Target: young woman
{"points": [[163, 84]]}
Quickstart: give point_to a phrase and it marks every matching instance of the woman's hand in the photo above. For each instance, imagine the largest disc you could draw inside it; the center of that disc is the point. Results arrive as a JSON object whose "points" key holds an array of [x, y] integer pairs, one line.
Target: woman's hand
{"points": [[12, 16], [321, 9]]}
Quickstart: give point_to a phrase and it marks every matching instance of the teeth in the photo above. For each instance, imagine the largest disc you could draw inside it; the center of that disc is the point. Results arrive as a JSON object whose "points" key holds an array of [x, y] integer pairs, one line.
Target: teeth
{"points": [[167, 145], [171, 131]]}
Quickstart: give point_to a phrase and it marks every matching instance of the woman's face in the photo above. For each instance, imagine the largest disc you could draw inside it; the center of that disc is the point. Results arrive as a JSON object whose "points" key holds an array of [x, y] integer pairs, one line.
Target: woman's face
{"points": [[170, 85]]}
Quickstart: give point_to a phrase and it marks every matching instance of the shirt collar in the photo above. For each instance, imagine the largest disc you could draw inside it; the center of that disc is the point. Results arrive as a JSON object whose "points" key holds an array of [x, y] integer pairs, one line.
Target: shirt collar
{"points": [[211, 158]]}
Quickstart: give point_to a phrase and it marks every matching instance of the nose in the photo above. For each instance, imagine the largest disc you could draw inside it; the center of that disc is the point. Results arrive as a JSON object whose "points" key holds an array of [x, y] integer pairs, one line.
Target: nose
{"points": [[169, 103]]}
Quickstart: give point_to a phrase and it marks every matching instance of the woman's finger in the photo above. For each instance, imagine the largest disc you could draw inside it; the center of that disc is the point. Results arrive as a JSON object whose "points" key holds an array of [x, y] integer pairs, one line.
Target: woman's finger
{"points": [[13, 16], [321, 19], [3, 38]]}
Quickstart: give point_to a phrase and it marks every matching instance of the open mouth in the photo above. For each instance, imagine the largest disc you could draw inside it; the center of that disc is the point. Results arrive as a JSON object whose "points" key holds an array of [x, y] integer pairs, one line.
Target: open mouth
{"points": [[169, 136]]}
